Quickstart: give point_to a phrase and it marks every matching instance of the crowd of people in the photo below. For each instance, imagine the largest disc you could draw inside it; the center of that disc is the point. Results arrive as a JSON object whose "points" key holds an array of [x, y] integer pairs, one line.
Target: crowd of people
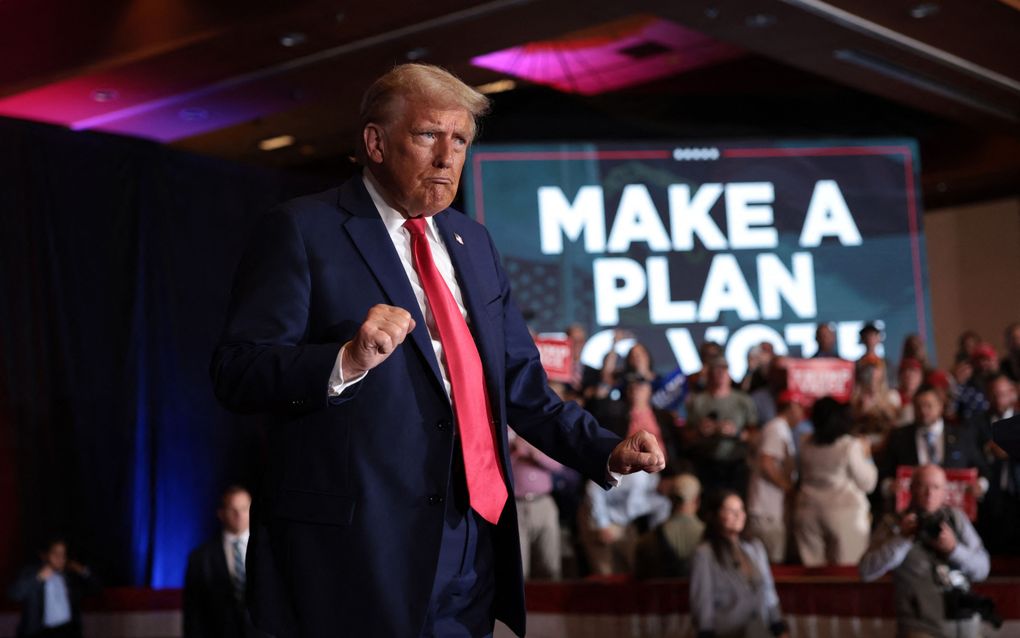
{"points": [[785, 479], [794, 479]]}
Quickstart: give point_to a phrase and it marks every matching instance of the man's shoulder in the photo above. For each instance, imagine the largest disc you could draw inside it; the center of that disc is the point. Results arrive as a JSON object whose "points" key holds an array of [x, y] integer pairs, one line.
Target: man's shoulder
{"points": [[322, 202], [776, 426], [905, 433], [462, 223], [207, 549]]}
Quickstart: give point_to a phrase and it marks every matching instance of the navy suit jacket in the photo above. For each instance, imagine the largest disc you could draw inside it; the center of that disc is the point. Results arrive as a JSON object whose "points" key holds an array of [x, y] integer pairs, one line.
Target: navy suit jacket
{"points": [[346, 528], [210, 609], [960, 445]]}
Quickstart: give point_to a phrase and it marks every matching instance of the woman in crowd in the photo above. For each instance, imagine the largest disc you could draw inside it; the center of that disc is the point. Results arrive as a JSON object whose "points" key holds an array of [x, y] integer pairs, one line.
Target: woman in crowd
{"points": [[913, 348], [909, 379], [731, 589], [966, 344], [832, 521], [874, 406]]}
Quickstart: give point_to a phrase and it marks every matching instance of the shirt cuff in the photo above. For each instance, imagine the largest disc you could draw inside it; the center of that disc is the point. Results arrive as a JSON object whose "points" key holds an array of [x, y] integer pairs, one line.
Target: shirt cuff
{"points": [[337, 383], [612, 478]]}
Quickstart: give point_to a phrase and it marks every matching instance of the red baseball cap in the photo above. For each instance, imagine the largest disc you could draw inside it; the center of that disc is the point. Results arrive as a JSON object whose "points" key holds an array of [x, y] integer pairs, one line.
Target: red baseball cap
{"points": [[983, 351], [911, 363], [792, 396]]}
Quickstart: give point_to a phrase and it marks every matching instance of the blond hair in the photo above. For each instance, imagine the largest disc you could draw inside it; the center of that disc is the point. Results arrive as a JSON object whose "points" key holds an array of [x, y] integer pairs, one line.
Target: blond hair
{"points": [[434, 86]]}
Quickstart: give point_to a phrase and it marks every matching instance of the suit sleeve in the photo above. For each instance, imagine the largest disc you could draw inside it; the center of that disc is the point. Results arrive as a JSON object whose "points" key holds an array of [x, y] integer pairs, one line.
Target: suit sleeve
{"points": [[561, 429], [263, 362], [26, 585]]}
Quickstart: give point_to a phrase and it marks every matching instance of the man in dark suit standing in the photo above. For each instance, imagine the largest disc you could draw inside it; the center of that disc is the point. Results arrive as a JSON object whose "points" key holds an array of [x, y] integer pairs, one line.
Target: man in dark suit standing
{"points": [[214, 585], [377, 324], [930, 440]]}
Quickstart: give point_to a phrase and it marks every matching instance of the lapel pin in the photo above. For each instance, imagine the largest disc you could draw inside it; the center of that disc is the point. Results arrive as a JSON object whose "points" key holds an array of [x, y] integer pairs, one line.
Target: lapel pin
{"points": [[460, 240]]}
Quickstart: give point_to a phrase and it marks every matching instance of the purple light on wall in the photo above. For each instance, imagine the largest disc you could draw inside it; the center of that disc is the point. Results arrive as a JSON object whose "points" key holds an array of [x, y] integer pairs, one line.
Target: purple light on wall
{"points": [[610, 57], [157, 109]]}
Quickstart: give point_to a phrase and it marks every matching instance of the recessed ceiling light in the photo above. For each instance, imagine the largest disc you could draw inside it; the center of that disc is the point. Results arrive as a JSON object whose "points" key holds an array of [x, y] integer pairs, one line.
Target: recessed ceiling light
{"points": [[293, 39], [105, 95], [924, 10], [193, 114], [499, 86], [417, 53], [273, 143], [760, 20]]}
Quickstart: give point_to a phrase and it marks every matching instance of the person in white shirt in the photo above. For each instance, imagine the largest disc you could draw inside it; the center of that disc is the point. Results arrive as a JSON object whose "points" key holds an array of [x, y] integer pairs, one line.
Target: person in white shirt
{"points": [[50, 593], [773, 476]]}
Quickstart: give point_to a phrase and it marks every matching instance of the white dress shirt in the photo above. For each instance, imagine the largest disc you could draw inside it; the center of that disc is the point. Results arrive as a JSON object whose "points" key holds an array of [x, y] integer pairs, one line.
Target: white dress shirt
{"points": [[56, 601], [921, 441], [228, 548], [401, 239]]}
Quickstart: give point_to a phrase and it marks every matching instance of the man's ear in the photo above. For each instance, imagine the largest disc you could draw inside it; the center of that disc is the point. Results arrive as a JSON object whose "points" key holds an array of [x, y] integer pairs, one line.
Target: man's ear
{"points": [[374, 140]]}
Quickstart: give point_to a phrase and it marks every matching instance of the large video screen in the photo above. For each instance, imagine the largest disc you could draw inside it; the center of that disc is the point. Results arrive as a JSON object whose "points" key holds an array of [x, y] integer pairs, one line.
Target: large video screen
{"points": [[738, 243]]}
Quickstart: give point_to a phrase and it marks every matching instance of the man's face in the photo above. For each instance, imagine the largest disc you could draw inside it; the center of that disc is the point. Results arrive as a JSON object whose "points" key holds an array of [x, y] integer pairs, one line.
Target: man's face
{"points": [[1004, 395], [928, 408], [234, 512], [56, 557], [719, 376], [871, 339], [419, 156], [929, 489]]}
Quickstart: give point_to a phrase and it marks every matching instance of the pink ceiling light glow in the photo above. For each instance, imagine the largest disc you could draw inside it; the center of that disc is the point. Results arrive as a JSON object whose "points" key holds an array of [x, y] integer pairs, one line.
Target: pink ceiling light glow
{"points": [[612, 56]]}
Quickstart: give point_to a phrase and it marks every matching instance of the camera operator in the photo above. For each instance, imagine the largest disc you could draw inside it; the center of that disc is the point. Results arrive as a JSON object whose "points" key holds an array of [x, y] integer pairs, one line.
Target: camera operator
{"points": [[934, 554]]}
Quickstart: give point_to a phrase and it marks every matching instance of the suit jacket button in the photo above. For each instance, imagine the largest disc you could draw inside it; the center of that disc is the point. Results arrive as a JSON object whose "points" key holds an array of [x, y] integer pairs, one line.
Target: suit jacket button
{"points": [[443, 425], [435, 499]]}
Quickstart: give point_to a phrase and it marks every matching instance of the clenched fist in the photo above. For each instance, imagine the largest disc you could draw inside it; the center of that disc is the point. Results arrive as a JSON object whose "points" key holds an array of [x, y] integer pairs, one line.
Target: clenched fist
{"points": [[385, 328], [638, 452]]}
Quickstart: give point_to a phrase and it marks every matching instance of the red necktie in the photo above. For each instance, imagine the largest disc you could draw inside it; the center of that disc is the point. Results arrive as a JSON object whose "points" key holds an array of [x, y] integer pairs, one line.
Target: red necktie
{"points": [[485, 484]]}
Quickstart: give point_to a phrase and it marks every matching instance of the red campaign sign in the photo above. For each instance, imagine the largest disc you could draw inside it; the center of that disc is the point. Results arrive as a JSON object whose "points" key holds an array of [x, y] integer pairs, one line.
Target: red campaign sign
{"points": [[556, 358], [958, 492], [816, 378]]}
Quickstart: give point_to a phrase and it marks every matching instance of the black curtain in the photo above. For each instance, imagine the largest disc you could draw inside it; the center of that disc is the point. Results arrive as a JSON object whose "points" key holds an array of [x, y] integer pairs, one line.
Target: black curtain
{"points": [[116, 257]]}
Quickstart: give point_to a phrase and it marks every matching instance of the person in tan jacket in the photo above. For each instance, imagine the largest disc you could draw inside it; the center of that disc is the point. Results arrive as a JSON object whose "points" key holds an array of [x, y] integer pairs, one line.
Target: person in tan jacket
{"points": [[832, 519]]}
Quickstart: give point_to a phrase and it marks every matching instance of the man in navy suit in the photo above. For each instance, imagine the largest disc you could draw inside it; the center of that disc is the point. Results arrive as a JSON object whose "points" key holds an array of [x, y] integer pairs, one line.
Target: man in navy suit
{"points": [[353, 317], [214, 584], [931, 440]]}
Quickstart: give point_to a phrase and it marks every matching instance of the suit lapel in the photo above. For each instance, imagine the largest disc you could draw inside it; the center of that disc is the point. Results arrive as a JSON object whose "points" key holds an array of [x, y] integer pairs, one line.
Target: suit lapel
{"points": [[221, 573], [471, 289], [369, 235]]}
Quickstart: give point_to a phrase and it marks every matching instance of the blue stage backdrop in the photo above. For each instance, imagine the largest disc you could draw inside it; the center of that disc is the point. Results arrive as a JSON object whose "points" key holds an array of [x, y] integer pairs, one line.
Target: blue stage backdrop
{"points": [[116, 258], [732, 242]]}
